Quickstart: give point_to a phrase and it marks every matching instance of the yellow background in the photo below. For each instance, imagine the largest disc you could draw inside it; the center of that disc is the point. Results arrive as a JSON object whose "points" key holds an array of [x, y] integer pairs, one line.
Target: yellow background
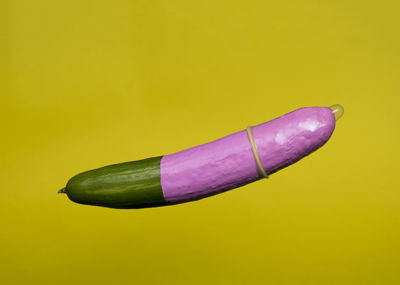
{"points": [[91, 83]]}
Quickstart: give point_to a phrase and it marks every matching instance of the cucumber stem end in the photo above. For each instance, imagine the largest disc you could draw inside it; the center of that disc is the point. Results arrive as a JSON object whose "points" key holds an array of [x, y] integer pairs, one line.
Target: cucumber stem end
{"points": [[64, 190]]}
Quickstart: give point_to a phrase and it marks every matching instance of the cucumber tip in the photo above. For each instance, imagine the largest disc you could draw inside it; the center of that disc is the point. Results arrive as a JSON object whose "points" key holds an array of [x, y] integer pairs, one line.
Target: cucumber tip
{"points": [[64, 190]]}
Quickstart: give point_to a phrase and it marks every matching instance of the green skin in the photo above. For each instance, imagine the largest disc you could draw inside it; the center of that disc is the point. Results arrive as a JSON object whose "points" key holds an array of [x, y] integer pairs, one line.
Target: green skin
{"points": [[128, 185]]}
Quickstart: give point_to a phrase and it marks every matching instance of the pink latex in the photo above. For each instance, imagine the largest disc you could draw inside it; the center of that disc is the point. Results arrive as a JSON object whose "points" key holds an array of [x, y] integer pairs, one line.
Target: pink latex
{"points": [[228, 162]]}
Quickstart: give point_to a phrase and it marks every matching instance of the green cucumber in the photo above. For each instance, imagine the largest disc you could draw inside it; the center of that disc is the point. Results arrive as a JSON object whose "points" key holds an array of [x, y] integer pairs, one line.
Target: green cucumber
{"points": [[127, 185]]}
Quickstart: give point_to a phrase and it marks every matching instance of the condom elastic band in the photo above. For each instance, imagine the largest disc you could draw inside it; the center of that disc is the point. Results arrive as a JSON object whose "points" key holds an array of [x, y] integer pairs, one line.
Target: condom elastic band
{"points": [[260, 168]]}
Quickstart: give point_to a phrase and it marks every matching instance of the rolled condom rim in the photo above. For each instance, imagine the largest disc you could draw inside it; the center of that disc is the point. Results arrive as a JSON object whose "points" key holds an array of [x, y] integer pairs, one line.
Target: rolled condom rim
{"points": [[260, 168]]}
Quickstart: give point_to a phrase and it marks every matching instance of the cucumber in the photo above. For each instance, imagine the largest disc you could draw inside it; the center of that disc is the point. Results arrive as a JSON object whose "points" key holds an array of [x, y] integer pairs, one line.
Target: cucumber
{"points": [[128, 185], [208, 169]]}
